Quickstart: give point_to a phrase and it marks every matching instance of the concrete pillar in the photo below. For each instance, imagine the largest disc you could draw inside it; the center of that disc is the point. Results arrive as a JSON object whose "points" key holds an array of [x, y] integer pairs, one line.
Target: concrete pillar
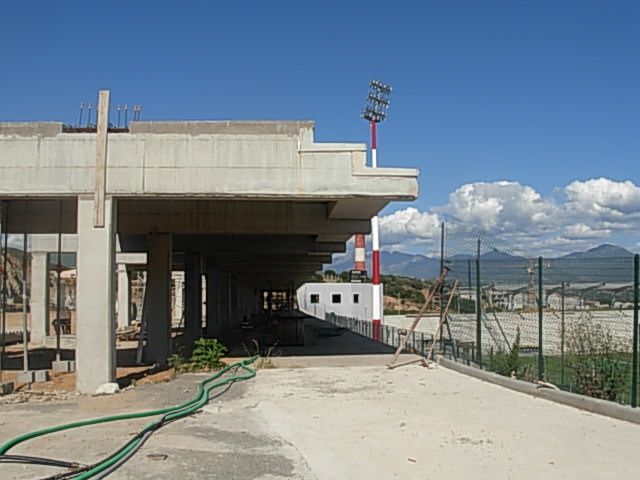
{"points": [[234, 298], [158, 304], [124, 305], [39, 301], [95, 338], [193, 298], [213, 302], [224, 294]]}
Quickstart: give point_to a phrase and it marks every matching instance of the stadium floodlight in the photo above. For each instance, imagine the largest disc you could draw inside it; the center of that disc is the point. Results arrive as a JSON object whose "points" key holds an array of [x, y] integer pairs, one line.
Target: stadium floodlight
{"points": [[377, 102]]}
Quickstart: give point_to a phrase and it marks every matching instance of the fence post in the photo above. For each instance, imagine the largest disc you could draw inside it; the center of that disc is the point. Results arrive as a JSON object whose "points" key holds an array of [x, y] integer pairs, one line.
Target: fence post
{"points": [[478, 311], [562, 333], [441, 292], [540, 315], [634, 370]]}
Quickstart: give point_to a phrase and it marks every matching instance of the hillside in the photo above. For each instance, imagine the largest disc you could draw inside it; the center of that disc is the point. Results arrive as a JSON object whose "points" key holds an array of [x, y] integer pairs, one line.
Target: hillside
{"points": [[602, 263], [602, 251]]}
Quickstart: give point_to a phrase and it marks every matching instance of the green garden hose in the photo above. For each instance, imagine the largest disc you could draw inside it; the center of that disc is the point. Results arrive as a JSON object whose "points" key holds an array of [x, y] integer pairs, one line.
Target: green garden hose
{"points": [[168, 414]]}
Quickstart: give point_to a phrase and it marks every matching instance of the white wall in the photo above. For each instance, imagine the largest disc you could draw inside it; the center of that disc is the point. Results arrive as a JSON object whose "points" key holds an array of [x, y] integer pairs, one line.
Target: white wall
{"points": [[361, 310]]}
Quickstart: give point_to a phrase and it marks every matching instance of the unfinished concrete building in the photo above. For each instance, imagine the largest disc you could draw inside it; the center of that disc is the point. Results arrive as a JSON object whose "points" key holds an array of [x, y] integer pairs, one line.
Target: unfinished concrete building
{"points": [[251, 206]]}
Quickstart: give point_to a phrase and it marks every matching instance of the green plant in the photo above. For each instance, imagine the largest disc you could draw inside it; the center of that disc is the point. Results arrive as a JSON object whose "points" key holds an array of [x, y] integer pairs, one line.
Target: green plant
{"points": [[508, 364], [177, 362], [207, 354], [597, 362], [265, 355]]}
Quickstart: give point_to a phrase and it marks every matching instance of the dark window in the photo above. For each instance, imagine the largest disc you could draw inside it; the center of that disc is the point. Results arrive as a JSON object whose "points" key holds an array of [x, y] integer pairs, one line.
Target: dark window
{"points": [[336, 298], [356, 298], [315, 298]]}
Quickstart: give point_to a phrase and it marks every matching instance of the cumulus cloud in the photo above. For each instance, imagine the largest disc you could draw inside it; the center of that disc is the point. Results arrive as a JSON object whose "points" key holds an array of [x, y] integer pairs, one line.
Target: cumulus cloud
{"points": [[502, 206], [584, 213], [601, 196], [581, 230], [409, 223]]}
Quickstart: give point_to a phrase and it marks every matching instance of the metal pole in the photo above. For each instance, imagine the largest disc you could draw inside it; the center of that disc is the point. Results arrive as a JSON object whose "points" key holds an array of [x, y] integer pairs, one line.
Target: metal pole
{"points": [[634, 370], [478, 311], [375, 250], [562, 332], [469, 275], [442, 284], [540, 315]]}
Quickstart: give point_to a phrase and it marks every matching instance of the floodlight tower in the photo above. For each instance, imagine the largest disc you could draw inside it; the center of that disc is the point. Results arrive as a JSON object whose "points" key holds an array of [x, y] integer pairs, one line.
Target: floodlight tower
{"points": [[375, 112]]}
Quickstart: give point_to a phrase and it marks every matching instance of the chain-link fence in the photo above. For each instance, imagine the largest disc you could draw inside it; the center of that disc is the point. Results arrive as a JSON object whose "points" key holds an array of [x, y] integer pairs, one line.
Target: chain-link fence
{"points": [[566, 320], [570, 320]]}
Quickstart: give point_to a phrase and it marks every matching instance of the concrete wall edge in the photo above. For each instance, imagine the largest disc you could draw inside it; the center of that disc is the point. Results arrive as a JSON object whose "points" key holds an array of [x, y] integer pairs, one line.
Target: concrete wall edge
{"points": [[592, 405]]}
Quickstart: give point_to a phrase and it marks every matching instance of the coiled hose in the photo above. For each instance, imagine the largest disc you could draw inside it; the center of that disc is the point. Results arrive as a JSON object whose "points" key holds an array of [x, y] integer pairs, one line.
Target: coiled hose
{"points": [[118, 458]]}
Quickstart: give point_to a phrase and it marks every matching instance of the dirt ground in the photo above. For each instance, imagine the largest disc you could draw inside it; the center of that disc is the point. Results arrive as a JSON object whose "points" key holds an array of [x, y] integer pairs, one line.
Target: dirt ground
{"points": [[40, 359], [340, 417]]}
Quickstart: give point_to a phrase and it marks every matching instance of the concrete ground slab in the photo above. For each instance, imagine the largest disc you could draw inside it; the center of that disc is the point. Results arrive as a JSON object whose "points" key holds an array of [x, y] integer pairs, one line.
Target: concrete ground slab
{"points": [[347, 421]]}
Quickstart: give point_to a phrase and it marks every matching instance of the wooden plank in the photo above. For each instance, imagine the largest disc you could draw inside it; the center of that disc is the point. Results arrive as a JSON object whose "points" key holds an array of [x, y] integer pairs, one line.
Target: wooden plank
{"points": [[100, 181], [428, 297], [443, 317]]}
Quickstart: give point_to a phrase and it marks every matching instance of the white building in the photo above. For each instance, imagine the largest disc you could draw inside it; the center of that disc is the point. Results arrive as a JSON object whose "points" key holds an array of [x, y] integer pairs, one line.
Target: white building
{"points": [[346, 299]]}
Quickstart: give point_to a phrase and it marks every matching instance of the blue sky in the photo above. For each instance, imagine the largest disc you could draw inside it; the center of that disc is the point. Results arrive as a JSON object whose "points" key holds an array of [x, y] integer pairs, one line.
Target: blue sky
{"points": [[539, 93]]}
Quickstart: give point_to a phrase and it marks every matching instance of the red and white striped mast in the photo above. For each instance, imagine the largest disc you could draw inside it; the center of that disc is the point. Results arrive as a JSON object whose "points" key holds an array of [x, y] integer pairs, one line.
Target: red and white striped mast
{"points": [[374, 113], [359, 253]]}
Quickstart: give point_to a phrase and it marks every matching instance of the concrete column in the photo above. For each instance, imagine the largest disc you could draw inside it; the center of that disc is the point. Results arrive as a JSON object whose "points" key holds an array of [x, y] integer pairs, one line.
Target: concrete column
{"points": [[224, 294], [234, 298], [95, 338], [158, 304], [124, 305], [39, 301], [213, 302], [193, 298]]}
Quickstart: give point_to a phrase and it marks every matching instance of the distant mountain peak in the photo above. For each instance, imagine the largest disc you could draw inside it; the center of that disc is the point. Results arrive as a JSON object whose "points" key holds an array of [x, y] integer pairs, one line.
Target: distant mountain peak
{"points": [[604, 250]]}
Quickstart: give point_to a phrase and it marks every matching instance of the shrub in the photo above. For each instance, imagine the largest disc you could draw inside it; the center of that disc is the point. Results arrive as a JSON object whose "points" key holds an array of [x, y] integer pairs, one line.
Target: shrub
{"points": [[176, 361], [597, 361], [508, 364], [207, 354]]}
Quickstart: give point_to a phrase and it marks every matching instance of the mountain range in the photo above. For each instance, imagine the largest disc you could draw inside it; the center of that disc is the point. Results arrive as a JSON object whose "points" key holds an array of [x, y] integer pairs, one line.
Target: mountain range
{"points": [[421, 266]]}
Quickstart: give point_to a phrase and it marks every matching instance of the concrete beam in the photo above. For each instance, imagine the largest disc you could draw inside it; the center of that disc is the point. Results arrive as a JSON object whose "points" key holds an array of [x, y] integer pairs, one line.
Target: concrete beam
{"points": [[42, 216], [49, 243], [360, 208], [199, 159], [291, 128], [131, 258], [256, 259], [254, 244], [232, 217], [338, 237]]}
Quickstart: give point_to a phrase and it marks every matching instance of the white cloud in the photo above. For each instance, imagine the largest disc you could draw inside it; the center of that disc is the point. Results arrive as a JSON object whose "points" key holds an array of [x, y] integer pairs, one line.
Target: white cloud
{"points": [[409, 223], [501, 206], [585, 213], [581, 230], [601, 196]]}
